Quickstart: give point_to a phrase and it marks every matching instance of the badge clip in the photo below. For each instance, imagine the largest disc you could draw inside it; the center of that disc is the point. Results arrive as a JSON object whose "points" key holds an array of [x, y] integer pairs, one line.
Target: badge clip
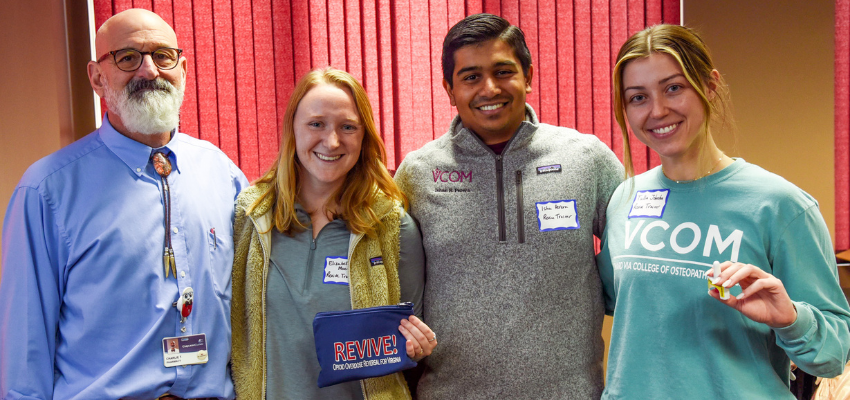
{"points": [[184, 304]]}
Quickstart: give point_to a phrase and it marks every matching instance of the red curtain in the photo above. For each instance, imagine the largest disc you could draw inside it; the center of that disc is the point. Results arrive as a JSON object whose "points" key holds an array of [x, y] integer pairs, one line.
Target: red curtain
{"points": [[246, 55], [842, 125]]}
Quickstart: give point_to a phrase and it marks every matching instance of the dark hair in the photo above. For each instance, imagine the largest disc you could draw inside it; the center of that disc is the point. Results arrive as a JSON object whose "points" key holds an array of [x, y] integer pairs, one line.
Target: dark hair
{"points": [[478, 28]]}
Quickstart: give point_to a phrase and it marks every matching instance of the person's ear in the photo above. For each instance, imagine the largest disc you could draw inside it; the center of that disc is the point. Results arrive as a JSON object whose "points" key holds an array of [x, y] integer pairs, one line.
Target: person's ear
{"points": [[713, 81], [184, 66], [528, 78], [448, 87], [96, 77]]}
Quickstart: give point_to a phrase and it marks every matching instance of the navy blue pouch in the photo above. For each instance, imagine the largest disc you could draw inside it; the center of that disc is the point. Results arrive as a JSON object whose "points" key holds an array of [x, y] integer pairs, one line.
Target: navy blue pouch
{"points": [[362, 343]]}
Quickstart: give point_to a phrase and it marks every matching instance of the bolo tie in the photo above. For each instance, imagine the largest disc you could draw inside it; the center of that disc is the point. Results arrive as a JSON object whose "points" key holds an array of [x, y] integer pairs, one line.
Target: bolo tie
{"points": [[162, 165]]}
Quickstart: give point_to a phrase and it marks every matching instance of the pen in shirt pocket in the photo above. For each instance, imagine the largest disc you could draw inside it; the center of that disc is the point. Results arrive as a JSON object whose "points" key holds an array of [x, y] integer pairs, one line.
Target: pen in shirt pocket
{"points": [[215, 241]]}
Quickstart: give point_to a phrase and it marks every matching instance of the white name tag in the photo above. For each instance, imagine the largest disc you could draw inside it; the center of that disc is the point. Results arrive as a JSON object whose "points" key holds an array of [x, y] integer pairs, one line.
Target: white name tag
{"points": [[336, 270], [185, 350], [649, 203], [557, 215]]}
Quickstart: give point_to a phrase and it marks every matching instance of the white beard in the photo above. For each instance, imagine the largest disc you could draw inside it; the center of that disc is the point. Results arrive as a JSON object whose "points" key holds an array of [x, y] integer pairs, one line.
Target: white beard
{"points": [[143, 111]]}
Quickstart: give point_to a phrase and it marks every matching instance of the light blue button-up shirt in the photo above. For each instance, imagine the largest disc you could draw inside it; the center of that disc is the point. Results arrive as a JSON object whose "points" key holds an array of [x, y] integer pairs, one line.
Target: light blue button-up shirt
{"points": [[84, 302]]}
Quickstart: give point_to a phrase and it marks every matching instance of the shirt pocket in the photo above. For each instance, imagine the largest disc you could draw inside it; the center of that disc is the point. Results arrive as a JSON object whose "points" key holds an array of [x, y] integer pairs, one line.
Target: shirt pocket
{"points": [[220, 248]]}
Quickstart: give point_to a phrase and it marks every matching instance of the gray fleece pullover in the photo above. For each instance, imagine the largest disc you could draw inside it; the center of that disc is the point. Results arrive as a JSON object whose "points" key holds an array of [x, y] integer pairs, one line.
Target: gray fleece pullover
{"points": [[512, 287]]}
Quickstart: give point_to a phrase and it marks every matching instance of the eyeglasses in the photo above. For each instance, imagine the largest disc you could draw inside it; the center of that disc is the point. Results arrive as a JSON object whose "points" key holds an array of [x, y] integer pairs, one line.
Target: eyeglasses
{"points": [[129, 60]]}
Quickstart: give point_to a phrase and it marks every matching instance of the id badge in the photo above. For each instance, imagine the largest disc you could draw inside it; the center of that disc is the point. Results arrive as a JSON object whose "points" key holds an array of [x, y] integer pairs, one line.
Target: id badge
{"points": [[185, 350]]}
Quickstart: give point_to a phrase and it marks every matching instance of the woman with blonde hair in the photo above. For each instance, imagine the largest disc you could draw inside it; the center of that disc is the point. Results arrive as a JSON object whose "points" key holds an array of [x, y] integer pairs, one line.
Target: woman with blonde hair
{"points": [[701, 211], [305, 234]]}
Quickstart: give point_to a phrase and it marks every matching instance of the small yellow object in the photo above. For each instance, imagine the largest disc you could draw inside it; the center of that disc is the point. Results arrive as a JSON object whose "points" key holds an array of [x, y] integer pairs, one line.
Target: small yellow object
{"points": [[724, 292], [715, 272]]}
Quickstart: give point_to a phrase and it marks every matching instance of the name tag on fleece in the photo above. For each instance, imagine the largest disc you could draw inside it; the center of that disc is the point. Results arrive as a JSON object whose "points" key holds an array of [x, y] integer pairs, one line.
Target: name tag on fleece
{"points": [[557, 215], [336, 270]]}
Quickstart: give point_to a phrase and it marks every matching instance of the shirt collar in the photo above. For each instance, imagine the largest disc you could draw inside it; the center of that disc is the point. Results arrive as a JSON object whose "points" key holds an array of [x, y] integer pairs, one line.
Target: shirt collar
{"points": [[134, 154], [472, 141]]}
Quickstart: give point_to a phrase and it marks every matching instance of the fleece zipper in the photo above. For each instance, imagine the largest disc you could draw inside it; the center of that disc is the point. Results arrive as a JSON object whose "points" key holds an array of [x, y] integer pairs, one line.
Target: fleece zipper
{"points": [[520, 220], [500, 198], [308, 275]]}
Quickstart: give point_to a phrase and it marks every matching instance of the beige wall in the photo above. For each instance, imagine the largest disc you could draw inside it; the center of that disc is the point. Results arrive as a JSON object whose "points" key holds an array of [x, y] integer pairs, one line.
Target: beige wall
{"points": [[37, 115], [778, 58], [34, 106]]}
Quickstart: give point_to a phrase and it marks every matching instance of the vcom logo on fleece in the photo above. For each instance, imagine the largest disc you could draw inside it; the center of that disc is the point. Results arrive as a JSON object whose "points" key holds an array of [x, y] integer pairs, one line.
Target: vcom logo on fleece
{"points": [[451, 176]]}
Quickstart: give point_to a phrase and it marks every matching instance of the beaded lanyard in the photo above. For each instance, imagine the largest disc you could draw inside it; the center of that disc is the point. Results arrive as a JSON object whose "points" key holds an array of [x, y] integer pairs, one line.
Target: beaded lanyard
{"points": [[162, 165]]}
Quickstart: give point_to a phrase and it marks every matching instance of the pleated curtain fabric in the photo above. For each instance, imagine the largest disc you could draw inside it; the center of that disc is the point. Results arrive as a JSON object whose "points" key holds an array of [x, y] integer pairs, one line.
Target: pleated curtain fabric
{"points": [[842, 125], [245, 57]]}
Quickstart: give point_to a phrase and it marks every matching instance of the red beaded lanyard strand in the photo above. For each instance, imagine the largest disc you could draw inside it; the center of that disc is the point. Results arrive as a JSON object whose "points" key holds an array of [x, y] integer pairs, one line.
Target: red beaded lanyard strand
{"points": [[162, 165]]}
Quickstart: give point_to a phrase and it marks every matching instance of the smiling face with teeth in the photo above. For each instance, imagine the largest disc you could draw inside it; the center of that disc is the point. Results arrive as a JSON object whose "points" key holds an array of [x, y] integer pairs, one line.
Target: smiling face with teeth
{"points": [[328, 136], [488, 88], [663, 109]]}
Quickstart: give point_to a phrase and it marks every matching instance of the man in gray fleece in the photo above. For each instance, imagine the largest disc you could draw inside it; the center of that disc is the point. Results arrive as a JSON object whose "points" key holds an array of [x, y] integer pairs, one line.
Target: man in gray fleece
{"points": [[508, 208]]}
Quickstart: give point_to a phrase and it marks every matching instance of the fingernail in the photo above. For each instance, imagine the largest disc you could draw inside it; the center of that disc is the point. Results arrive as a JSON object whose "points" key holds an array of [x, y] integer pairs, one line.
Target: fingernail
{"points": [[727, 284], [740, 296]]}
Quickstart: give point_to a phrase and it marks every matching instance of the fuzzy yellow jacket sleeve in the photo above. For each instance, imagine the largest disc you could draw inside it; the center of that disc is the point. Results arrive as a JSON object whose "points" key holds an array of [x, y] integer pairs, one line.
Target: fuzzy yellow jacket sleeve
{"points": [[248, 301]]}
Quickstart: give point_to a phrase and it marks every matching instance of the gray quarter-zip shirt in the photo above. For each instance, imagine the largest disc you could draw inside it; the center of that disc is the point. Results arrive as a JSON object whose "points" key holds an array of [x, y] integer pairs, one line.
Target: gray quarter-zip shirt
{"points": [[509, 244]]}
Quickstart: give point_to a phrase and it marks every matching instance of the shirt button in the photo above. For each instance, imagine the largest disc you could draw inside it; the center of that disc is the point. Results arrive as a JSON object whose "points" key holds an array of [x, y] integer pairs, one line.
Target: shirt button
{"points": [[183, 329], [182, 274], [174, 229], [138, 170]]}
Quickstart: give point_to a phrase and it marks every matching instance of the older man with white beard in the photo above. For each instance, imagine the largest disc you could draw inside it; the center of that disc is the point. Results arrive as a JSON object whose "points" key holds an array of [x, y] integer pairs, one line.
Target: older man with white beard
{"points": [[121, 243]]}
